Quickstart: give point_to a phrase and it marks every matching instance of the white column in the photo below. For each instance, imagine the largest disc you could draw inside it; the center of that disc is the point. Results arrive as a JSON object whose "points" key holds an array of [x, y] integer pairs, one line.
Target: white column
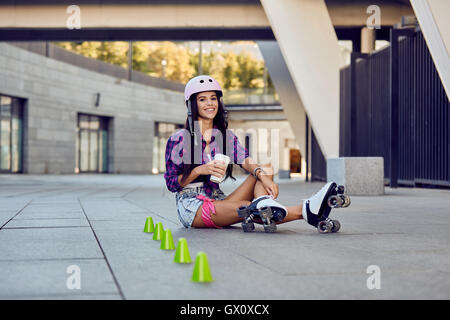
{"points": [[309, 45], [289, 98], [435, 25]]}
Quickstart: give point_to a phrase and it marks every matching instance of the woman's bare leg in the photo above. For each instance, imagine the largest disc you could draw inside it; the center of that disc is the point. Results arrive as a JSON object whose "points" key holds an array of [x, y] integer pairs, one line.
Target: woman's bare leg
{"points": [[250, 188], [294, 213], [259, 188], [226, 213], [226, 210], [245, 191]]}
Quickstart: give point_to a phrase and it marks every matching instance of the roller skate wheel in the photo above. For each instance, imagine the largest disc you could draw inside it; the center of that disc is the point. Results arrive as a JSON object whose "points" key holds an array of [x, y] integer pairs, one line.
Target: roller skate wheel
{"points": [[278, 216], [248, 227], [324, 227], [343, 198], [266, 213], [336, 226], [243, 212], [347, 201], [335, 202], [271, 228]]}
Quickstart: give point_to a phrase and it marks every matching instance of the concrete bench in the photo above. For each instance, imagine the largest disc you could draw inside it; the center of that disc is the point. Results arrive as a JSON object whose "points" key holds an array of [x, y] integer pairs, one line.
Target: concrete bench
{"points": [[359, 175]]}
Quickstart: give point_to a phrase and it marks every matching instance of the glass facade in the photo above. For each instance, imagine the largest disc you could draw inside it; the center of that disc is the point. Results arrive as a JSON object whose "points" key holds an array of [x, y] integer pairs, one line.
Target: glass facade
{"points": [[163, 131], [11, 134], [92, 144]]}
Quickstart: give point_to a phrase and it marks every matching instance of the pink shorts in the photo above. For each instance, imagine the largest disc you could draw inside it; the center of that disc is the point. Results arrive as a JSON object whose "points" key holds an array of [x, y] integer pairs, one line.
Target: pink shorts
{"points": [[207, 209]]}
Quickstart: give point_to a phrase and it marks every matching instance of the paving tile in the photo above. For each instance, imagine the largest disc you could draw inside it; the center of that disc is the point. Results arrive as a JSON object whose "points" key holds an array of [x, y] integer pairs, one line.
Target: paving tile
{"points": [[38, 279], [404, 233], [48, 243], [47, 223]]}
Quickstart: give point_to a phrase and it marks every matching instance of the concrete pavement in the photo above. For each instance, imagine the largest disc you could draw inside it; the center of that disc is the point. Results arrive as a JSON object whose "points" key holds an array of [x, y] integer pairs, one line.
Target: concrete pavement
{"points": [[94, 222]]}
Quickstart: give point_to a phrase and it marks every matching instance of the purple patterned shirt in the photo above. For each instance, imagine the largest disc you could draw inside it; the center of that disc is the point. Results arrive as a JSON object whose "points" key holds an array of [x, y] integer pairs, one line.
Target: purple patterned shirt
{"points": [[178, 153]]}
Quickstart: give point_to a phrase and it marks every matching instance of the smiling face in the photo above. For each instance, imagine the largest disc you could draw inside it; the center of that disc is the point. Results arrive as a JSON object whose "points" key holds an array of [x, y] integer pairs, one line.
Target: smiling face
{"points": [[208, 104]]}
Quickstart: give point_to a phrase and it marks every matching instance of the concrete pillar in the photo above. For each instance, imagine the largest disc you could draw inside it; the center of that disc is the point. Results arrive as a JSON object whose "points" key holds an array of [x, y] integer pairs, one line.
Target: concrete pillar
{"points": [[368, 37], [435, 25], [310, 48], [284, 84], [359, 175]]}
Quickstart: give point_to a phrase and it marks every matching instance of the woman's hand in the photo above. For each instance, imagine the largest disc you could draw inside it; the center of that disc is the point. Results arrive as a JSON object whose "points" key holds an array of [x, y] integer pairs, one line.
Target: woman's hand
{"points": [[215, 168], [270, 186]]}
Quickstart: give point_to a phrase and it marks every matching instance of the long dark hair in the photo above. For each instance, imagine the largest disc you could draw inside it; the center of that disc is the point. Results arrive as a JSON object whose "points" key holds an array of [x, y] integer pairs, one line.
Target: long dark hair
{"points": [[220, 122]]}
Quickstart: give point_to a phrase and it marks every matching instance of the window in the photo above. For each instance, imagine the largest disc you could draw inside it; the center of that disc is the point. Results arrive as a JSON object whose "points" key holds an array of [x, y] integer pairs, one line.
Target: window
{"points": [[11, 134], [92, 144], [163, 131]]}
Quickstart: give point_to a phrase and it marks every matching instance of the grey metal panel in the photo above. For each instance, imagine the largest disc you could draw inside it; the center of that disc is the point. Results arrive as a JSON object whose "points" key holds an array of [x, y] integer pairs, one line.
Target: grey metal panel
{"points": [[423, 118]]}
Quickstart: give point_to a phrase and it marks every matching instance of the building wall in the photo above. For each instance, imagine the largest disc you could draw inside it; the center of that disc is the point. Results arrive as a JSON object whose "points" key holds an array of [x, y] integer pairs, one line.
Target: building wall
{"points": [[56, 92]]}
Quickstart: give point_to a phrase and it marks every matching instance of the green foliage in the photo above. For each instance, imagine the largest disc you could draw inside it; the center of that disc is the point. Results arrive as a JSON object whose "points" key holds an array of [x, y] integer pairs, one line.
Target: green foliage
{"points": [[178, 61], [233, 71], [110, 52]]}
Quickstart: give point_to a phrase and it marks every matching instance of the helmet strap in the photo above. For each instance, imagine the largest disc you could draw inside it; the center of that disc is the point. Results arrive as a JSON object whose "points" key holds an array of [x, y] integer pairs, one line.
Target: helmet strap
{"points": [[191, 128], [189, 112], [225, 115], [225, 111]]}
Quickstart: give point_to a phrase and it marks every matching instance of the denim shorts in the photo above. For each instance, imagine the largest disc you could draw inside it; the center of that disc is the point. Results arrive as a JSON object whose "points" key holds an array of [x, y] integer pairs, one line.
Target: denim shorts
{"points": [[188, 204]]}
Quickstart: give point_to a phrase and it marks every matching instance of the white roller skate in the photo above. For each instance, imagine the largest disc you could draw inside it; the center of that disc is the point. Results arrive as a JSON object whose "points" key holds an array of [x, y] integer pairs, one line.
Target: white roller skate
{"points": [[264, 208], [317, 208]]}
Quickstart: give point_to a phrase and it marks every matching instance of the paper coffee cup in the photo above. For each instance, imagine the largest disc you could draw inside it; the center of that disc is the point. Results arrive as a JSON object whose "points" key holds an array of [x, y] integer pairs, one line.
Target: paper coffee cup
{"points": [[224, 158]]}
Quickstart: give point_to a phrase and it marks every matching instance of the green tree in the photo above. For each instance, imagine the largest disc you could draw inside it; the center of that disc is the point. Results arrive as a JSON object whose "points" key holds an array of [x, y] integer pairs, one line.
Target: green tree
{"points": [[141, 52], [233, 71], [230, 79], [250, 72], [110, 52], [178, 59]]}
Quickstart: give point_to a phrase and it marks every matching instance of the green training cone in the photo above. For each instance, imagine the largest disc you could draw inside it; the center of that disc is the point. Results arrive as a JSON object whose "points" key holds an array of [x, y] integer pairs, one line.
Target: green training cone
{"points": [[182, 253], [167, 241], [159, 231], [149, 227], [201, 269]]}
